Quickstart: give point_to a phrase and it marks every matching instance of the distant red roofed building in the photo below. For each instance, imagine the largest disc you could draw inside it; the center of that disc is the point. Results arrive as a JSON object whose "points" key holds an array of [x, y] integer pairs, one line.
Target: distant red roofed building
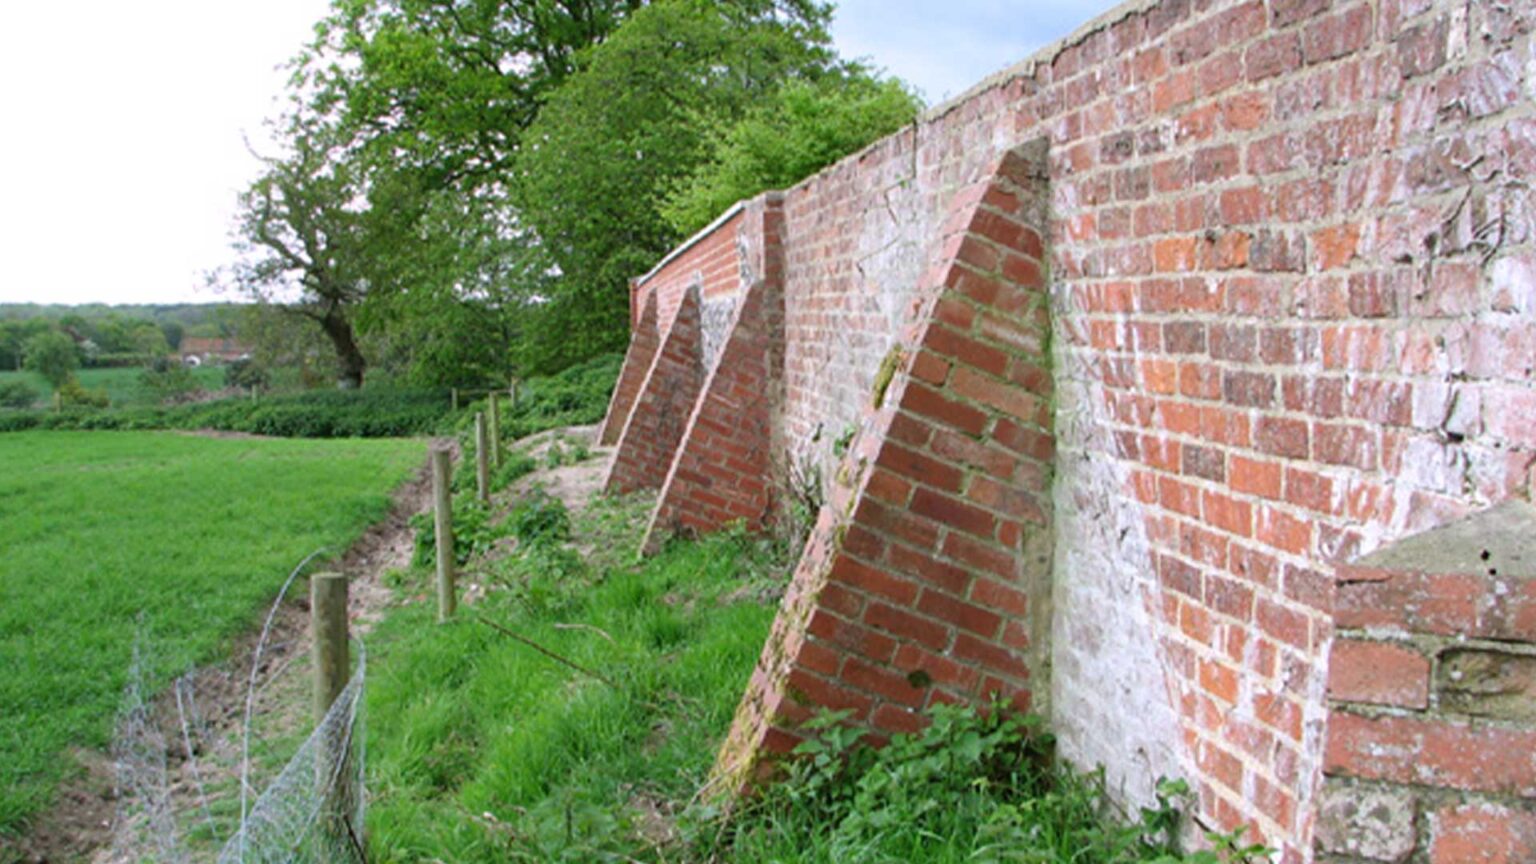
{"points": [[196, 351]]}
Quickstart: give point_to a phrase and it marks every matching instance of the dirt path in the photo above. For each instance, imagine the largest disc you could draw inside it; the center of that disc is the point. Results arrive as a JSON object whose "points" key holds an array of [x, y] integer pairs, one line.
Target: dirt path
{"points": [[574, 485], [86, 825]]}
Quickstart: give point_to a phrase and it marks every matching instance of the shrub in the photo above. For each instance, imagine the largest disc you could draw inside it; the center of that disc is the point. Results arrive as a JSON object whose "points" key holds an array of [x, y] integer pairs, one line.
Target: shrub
{"points": [[246, 374], [540, 518], [18, 421], [167, 380], [576, 396], [474, 532], [73, 395], [16, 394], [975, 784], [123, 360]]}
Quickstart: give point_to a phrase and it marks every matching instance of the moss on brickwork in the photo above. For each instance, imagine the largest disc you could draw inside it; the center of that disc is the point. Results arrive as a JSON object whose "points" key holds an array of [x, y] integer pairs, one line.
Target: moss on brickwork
{"points": [[885, 374]]}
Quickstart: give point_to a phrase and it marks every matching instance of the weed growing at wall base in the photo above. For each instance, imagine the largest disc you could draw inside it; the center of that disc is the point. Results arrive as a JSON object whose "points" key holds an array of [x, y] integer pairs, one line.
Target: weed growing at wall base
{"points": [[974, 785]]}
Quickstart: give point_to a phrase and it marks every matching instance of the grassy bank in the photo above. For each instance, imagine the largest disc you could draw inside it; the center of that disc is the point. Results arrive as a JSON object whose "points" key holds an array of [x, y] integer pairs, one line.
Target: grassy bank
{"points": [[482, 748], [574, 710], [191, 533]]}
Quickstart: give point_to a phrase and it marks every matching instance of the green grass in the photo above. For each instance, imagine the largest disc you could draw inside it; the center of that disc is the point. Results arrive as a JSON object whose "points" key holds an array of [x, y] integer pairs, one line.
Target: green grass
{"points": [[482, 749], [122, 385], [195, 534], [372, 412]]}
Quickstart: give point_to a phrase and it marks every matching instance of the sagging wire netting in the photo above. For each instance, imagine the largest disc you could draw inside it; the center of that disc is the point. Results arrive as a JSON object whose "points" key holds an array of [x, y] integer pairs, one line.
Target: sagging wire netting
{"points": [[314, 810], [198, 781]]}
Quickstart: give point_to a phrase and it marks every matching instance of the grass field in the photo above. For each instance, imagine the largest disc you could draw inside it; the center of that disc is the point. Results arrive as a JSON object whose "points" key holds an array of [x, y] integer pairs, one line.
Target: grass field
{"points": [[193, 533], [122, 385]]}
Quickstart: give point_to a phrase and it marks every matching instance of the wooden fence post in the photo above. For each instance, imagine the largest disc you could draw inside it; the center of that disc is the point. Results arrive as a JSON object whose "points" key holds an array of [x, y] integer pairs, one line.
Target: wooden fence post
{"points": [[328, 619], [482, 460], [328, 649], [495, 429], [442, 501], [455, 396]]}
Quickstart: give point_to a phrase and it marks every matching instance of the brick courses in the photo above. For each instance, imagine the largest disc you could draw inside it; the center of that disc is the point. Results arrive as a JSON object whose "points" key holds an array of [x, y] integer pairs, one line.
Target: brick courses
{"points": [[1292, 311], [659, 419], [918, 581], [1432, 693], [645, 338], [722, 470]]}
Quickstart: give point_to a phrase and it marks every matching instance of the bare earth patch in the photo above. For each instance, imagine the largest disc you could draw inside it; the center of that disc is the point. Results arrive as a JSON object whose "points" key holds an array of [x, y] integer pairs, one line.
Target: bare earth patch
{"points": [[574, 485]]}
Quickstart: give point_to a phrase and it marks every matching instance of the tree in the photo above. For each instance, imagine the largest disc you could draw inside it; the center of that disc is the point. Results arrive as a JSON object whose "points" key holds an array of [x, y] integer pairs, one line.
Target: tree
{"points": [[446, 88], [52, 355], [390, 214], [469, 184], [456, 300], [173, 331], [14, 335], [305, 240], [280, 339], [801, 129], [634, 121], [119, 335]]}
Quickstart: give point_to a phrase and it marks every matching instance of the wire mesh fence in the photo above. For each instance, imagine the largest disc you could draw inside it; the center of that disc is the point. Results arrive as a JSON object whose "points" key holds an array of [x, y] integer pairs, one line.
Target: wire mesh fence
{"points": [[314, 810], [223, 765]]}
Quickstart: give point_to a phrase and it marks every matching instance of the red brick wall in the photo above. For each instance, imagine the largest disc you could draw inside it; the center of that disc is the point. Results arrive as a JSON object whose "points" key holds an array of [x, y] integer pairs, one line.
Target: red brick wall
{"points": [[660, 416], [1293, 295], [919, 580], [709, 260], [723, 469], [1432, 690], [645, 338]]}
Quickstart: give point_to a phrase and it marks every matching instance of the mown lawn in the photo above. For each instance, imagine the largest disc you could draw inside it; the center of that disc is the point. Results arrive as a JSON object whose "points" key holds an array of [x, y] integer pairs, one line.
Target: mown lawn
{"points": [[193, 534]]}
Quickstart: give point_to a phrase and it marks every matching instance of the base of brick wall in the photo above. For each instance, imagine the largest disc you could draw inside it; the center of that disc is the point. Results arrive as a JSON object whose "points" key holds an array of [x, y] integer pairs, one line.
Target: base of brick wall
{"points": [[1431, 753], [913, 588]]}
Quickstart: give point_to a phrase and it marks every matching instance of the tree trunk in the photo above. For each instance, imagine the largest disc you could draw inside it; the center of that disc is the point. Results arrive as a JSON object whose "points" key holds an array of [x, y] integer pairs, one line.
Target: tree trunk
{"points": [[350, 359]]}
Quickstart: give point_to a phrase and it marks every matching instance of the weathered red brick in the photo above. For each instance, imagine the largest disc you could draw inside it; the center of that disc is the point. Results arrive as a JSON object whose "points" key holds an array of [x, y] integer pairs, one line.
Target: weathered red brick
{"points": [[1483, 832], [1432, 751], [1282, 436], [1380, 673]]}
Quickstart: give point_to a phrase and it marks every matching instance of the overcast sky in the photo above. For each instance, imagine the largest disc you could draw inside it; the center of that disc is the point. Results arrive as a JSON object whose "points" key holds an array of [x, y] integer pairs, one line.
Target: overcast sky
{"points": [[124, 122]]}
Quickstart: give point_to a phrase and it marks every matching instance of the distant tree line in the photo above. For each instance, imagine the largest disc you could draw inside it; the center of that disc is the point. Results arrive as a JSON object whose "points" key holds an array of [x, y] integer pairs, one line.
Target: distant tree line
{"points": [[111, 335], [464, 188], [56, 341]]}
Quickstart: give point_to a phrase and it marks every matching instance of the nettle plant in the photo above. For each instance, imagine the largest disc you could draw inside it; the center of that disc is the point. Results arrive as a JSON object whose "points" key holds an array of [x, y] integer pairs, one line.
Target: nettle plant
{"points": [[977, 784]]}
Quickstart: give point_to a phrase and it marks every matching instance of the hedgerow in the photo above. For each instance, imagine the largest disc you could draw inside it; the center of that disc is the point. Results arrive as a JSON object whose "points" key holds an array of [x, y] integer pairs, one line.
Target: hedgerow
{"points": [[578, 395]]}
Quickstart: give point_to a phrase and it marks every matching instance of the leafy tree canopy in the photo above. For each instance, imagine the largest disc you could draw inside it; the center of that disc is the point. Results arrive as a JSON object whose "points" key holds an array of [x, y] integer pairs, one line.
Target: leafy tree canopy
{"points": [[801, 129], [468, 185], [447, 87], [52, 355], [635, 120]]}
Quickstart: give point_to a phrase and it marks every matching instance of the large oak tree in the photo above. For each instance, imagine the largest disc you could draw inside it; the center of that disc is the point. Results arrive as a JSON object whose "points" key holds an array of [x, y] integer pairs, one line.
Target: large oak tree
{"points": [[306, 240]]}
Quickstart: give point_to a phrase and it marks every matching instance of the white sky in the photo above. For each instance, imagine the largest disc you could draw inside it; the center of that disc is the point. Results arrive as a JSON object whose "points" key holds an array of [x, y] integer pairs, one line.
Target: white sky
{"points": [[122, 148]]}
